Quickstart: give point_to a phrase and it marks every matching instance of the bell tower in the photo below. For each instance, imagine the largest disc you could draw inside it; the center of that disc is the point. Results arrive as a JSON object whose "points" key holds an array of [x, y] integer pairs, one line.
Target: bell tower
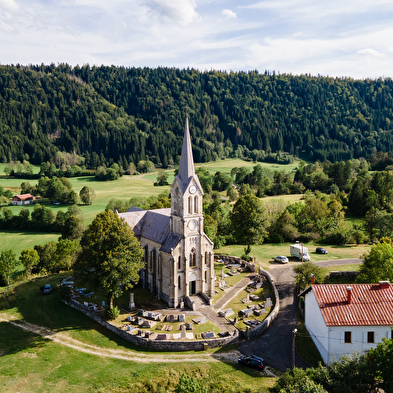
{"points": [[195, 273], [186, 194]]}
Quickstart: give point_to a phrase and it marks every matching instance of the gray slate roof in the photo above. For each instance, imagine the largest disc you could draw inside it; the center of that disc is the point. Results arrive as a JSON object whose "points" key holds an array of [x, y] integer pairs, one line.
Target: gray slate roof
{"points": [[153, 225]]}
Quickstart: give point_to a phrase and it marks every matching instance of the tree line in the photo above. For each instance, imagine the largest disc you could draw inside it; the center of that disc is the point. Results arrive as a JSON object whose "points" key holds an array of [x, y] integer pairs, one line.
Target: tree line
{"points": [[126, 115]]}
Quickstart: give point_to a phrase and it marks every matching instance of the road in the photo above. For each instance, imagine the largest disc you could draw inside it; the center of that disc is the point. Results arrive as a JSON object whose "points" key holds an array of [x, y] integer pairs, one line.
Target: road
{"points": [[275, 345]]}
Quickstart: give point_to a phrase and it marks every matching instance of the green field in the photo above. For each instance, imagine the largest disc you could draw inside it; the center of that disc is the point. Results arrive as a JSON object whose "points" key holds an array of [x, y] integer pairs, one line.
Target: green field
{"points": [[36, 168], [265, 253], [124, 188], [30, 363], [18, 241]]}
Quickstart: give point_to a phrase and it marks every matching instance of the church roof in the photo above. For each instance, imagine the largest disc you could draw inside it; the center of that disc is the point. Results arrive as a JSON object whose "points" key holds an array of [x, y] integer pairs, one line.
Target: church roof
{"points": [[171, 242], [150, 224], [186, 167]]}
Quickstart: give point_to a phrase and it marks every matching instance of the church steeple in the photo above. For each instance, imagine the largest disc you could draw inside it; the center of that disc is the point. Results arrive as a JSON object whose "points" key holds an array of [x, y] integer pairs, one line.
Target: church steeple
{"points": [[186, 167]]}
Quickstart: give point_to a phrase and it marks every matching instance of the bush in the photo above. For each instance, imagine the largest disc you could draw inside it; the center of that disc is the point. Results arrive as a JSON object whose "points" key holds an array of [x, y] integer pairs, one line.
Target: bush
{"points": [[112, 313]]}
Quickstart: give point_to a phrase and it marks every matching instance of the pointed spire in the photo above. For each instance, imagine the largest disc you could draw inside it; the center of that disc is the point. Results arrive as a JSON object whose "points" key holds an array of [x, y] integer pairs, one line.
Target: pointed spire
{"points": [[186, 168]]}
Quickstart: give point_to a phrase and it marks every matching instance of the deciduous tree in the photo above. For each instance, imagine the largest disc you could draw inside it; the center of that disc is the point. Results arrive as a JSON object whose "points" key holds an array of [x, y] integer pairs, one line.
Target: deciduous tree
{"points": [[7, 264], [249, 220], [111, 256]]}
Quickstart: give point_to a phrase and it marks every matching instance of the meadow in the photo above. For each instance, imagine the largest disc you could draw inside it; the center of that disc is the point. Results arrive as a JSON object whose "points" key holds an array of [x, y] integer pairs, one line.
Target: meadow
{"points": [[265, 253], [31, 363], [128, 187]]}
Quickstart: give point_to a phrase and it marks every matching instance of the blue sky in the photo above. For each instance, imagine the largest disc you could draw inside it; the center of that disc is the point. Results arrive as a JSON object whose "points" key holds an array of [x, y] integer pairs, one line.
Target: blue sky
{"points": [[335, 38]]}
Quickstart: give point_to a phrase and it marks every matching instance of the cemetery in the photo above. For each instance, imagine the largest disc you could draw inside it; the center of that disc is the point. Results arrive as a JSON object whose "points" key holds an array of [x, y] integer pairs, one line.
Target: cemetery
{"points": [[150, 323]]}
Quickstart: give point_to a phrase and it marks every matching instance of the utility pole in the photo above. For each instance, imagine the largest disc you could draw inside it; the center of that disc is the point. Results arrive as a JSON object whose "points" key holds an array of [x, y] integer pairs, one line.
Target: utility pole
{"points": [[294, 331]]}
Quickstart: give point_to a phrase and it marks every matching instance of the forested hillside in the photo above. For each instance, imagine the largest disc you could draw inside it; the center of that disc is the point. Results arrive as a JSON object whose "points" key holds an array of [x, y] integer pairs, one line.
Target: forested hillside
{"points": [[117, 114]]}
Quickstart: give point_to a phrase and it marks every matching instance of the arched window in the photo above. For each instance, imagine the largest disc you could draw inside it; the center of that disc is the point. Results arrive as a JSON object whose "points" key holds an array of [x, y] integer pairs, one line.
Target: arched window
{"points": [[189, 205], [179, 262], [193, 258], [146, 256], [205, 275], [196, 204], [178, 282], [206, 258]]}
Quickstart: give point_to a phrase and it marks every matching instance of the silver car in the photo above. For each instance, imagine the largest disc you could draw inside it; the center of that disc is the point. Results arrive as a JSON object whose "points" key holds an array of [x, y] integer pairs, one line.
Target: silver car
{"points": [[281, 259]]}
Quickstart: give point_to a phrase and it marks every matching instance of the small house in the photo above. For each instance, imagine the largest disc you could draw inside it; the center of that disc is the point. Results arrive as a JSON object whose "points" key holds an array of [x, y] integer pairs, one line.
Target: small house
{"points": [[23, 199], [344, 320]]}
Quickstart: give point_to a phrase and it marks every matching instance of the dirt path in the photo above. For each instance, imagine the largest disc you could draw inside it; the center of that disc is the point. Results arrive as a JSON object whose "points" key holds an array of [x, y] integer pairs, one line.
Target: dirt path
{"points": [[64, 339]]}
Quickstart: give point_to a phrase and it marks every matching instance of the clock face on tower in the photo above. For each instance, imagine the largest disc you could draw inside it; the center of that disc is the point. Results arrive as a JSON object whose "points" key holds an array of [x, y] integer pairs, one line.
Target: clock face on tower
{"points": [[192, 224], [192, 190]]}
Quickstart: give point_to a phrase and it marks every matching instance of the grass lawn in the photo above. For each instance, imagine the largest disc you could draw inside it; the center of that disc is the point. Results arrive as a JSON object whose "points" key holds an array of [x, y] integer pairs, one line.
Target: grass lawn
{"points": [[36, 169], [124, 188], [30, 363], [238, 305], [265, 253], [18, 241], [227, 165], [306, 347]]}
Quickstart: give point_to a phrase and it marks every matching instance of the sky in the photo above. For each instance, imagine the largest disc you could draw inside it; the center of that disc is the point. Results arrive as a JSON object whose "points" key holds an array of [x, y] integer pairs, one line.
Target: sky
{"points": [[338, 38]]}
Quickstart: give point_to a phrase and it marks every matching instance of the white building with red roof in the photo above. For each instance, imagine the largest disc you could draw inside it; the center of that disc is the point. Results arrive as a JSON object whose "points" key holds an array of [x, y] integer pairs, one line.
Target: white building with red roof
{"points": [[347, 319], [23, 199]]}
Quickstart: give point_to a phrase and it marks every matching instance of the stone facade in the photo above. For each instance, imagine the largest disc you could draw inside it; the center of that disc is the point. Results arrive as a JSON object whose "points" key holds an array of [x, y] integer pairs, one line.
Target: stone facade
{"points": [[179, 258]]}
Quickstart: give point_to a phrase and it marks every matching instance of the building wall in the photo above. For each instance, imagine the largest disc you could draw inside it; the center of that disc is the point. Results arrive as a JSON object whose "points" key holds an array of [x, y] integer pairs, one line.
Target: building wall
{"points": [[359, 344], [316, 326], [330, 341], [163, 273]]}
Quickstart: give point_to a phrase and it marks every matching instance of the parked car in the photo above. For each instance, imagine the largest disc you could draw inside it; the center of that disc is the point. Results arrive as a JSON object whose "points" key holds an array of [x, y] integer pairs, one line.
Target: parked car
{"points": [[321, 250], [281, 259], [252, 361], [46, 289]]}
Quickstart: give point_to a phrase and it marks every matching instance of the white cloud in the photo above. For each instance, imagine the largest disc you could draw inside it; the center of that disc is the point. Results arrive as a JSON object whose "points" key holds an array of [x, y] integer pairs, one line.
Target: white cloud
{"points": [[9, 5], [229, 14], [370, 52], [6, 27], [179, 11]]}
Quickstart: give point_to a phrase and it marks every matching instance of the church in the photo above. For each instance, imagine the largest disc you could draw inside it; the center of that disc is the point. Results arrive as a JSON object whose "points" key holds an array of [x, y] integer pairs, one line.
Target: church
{"points": [[179, 259]]}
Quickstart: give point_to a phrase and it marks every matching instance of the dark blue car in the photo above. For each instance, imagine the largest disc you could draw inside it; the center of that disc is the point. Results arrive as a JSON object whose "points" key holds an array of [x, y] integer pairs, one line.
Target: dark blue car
{"points": [[253, 362], [46, 289]]}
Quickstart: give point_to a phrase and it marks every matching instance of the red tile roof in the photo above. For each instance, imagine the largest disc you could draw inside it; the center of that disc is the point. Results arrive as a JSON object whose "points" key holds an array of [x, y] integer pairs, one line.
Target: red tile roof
{"points": [[23, 197], [371, 304]]}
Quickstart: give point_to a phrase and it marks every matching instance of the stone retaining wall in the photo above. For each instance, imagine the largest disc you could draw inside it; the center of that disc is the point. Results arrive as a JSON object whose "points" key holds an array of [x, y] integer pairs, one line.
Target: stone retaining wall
{"points": [[169, 345], [251, 333], [191, 345], [227, 259]]}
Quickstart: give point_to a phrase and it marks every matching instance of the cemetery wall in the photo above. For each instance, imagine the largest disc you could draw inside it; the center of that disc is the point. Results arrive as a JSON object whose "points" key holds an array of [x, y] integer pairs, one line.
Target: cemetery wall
{"points": [[167, 345], [227, 259], [268, 321]]}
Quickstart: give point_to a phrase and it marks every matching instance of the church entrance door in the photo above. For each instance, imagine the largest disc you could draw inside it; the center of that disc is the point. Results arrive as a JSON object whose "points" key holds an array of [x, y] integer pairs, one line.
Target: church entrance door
{"points": [[192, 288]]}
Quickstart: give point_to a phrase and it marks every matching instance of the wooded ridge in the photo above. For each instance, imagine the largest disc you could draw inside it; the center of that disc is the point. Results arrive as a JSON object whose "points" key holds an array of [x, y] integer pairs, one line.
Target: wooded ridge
{"points": [[124, 115]]}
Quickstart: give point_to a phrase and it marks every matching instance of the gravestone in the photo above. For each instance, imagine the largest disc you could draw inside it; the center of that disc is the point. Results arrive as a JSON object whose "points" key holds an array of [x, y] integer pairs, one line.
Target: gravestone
{"points": [[209, 335], [247, 312], [183, 332], [189, 326], [171, 318], [131, 304], [226, 313], [269, 302], [182, 318]]}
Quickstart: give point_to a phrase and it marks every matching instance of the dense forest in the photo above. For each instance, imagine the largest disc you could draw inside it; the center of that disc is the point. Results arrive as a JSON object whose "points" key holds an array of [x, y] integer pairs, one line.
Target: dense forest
{"points": [[125, 115]]}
